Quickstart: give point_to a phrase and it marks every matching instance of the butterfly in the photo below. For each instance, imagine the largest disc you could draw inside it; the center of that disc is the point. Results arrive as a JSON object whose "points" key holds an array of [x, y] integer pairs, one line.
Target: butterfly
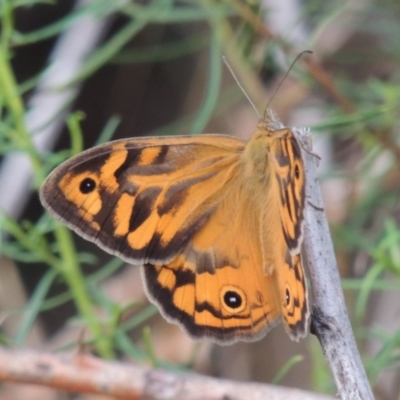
{"points": [[215, 223]]}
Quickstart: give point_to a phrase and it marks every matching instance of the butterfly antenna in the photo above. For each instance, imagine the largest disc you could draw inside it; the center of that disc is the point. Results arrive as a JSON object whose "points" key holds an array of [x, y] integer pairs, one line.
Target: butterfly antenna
{"points": [[286, 74], [240, 85]]}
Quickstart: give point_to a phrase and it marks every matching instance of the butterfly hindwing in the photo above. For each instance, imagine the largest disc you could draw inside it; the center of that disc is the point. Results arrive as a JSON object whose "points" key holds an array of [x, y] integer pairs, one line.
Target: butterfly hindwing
{"points": [[216, 286], [293, 295]]}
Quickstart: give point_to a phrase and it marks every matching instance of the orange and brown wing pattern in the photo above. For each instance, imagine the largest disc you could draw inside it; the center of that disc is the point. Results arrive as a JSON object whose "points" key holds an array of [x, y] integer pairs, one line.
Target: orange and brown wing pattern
{"points": [[216, 287], [142, 199], [274, 166], [216, 224], [216, 305], [293, 295], [288, 166]]}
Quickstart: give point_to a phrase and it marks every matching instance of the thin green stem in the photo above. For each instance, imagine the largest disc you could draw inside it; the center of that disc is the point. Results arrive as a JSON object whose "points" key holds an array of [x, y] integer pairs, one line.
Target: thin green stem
{"points": [[109, 49], [223, 31], [213, 86], [12, 99], [76, 282], [166, 15], [11, 96], [7, 20]]}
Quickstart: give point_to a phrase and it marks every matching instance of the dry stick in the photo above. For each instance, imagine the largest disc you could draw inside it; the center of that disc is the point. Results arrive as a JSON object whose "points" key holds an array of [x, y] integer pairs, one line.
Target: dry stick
{"points": [[330, 321], [83, 373]]}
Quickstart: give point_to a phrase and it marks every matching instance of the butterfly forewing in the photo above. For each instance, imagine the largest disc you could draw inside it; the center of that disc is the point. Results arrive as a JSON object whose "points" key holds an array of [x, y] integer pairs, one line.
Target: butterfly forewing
{"points": [[290, 180], [142, 199], [287, 163]]}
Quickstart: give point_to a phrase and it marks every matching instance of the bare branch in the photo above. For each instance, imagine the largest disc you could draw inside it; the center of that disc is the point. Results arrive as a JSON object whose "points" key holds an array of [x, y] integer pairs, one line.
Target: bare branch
{"points": [[330, 321], [86, 374]]}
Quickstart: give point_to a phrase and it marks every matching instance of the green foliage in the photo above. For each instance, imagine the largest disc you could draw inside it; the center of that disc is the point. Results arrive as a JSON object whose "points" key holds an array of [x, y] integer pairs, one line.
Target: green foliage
{"points": [[369, 228]]}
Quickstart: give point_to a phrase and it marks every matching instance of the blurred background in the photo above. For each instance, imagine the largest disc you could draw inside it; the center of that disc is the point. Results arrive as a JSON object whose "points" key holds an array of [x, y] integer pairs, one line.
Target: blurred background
{"points": [[77, 73]]}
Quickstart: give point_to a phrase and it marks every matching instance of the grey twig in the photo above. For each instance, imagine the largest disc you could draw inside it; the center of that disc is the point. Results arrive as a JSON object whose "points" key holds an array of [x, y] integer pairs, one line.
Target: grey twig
{"points": [[329, 319]]}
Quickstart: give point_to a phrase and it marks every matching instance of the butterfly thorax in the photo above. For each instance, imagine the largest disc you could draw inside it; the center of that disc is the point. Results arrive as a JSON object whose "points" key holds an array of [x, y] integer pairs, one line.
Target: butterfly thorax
{"points": [[258, 153]]}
